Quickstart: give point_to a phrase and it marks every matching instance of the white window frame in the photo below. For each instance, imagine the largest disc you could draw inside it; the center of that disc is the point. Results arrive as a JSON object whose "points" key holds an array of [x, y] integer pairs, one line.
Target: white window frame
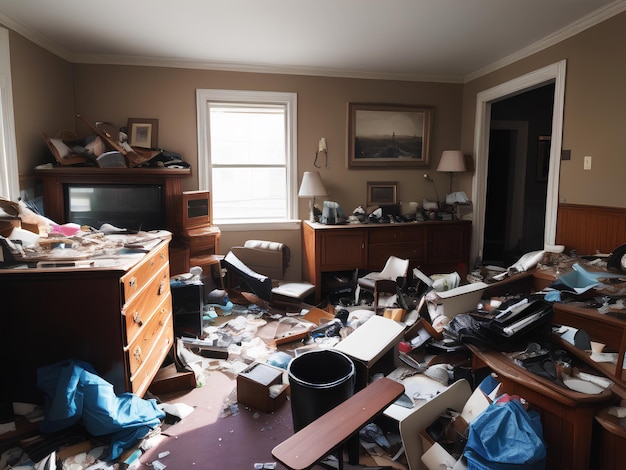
{"points": [[9, 173], [206, 96]]}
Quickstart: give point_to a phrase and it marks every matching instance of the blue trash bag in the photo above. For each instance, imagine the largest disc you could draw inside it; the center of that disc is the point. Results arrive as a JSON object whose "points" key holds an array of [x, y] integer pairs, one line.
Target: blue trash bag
{"points": [[73, 391], [506, 436]]}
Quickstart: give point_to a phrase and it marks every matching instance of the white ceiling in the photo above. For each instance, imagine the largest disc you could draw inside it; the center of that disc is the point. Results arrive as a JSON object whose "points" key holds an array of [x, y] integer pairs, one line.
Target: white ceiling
{"points": [[439, 40]]}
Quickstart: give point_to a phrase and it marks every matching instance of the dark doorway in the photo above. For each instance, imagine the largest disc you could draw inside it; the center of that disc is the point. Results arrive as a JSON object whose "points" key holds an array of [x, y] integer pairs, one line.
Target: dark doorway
{"points": [[517, 175]]}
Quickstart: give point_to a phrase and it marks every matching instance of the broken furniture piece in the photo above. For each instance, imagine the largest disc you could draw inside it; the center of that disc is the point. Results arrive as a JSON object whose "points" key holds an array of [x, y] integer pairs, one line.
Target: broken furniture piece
{"points": [[331, 431], [395, 268], [271, 259]]}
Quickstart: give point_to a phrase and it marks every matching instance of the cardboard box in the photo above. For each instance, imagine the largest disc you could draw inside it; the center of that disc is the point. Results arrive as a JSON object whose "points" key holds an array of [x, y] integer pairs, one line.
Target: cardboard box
{"points": [[435, 455], [253, 387], [461, 299]]}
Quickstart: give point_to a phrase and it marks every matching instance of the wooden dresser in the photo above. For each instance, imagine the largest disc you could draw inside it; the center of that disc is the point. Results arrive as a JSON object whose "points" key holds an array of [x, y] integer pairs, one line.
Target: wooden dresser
{"points": [[115, 315], [433, 247]]}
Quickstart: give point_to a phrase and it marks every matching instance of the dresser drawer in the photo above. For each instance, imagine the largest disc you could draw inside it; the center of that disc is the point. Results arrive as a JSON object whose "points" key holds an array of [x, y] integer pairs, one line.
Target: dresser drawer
{"points": [[203, 243], [138, 277], [397, 234], [141, 378], [140, 348], [139, 311]]}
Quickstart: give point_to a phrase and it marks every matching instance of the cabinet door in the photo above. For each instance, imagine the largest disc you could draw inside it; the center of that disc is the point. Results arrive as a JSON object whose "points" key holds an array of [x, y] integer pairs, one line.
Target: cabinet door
{"points": [[343, 249], [448, 243]]}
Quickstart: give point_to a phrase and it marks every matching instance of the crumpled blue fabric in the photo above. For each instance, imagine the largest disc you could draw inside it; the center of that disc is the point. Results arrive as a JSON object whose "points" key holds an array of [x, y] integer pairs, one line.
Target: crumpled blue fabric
{"points": [[505, 436], [73, 391]]}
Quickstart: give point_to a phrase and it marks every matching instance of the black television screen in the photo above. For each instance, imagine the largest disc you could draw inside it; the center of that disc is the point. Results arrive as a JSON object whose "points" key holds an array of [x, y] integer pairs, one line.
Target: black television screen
{"points": [[125, 206]]}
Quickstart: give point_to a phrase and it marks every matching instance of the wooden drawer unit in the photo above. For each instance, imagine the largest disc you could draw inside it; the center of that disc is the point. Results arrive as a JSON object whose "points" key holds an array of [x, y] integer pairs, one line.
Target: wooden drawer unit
{"points": [[139, 309], [136, 279], [115, 315], [430, 246], [397, 240], [156, 335]]}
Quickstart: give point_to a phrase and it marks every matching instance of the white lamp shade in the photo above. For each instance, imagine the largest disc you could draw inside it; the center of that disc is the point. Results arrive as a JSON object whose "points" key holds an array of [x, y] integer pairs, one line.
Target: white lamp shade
{"points": [[312, 185], [452, 160]]}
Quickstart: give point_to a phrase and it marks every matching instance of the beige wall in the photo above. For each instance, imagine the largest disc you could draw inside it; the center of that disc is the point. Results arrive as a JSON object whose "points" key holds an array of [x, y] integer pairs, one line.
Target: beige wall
{"points": [[48, 91], [595, 111], [116, 93], [43, 97]]}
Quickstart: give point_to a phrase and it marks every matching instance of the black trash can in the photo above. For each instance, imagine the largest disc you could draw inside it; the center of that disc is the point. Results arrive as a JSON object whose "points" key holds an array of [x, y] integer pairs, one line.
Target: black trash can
{"points": [[319, 381]]}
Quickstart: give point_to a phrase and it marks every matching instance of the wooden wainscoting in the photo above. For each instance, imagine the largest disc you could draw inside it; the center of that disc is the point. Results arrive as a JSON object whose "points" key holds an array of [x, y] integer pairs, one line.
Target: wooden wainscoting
{"points": [[590, 229]]}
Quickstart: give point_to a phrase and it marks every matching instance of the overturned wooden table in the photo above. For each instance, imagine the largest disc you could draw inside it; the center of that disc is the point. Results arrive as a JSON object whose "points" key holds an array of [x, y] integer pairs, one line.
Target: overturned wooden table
{"points": [[330, 431]]}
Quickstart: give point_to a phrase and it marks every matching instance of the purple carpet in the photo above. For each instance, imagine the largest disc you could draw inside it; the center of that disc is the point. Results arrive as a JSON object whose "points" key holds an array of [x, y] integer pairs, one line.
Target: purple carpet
{"points": [[205, 440]]}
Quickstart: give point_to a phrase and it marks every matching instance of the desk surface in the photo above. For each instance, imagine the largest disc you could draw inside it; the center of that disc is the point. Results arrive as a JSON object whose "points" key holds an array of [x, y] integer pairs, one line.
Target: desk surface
{"points": [[498, 362], [317, 440], [89, 252]]}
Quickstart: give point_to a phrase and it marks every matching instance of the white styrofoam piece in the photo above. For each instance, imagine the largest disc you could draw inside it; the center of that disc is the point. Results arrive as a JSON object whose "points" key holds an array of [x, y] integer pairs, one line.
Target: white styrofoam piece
{"points": [[370, 340], [461, 299]]}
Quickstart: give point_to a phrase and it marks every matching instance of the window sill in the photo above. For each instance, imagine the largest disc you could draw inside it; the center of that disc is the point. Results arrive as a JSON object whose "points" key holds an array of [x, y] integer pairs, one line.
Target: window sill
{"points": [[250, 225]]}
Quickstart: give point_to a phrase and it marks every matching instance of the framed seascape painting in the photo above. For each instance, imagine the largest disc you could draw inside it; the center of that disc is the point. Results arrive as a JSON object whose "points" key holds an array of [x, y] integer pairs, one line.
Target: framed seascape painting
{"points": [[388, 135]]}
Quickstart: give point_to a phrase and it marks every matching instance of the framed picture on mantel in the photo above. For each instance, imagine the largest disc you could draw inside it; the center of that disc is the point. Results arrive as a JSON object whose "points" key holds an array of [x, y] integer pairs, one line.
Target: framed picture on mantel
{"points": [[143, 133], [388, 135]]}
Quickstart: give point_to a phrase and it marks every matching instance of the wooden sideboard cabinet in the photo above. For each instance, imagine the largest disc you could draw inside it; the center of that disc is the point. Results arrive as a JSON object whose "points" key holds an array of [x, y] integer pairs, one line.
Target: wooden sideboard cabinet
{"points": [[433, 247], [115, 315]]}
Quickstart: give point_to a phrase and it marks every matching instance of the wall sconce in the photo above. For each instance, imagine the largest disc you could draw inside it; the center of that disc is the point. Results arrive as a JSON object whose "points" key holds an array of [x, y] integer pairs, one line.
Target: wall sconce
{"points": [[452, 161], [311, 187], [428, 178], [321, 148]]}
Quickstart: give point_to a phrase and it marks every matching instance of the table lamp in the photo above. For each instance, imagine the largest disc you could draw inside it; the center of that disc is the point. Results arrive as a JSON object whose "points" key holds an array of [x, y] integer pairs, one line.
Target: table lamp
{"points": [[311, 187], [452, 161]]}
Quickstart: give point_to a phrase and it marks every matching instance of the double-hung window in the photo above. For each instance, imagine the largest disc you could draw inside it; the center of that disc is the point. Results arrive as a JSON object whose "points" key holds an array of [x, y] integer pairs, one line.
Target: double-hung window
{"points": [[247, 157]]}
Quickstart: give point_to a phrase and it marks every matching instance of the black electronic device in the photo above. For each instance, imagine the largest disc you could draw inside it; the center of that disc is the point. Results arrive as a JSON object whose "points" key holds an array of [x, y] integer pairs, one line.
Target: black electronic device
{"points": [[332, 214], [188, 308], [127, 206], [617, 260], [259, 284]]}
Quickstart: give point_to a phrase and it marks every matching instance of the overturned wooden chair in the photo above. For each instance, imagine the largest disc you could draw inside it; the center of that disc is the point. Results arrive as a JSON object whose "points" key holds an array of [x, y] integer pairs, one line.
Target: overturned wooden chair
{"points": [[271, 259]]}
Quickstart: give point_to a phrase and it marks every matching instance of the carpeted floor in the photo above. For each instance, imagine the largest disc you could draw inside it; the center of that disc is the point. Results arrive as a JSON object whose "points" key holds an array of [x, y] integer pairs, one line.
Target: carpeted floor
{"points": [[207, 440]]}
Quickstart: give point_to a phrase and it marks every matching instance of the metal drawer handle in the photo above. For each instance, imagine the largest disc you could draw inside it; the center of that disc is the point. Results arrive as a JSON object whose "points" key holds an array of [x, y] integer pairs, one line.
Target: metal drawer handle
{"points": [[133, 282], [161, 288], [137, 318], [137, 354]]}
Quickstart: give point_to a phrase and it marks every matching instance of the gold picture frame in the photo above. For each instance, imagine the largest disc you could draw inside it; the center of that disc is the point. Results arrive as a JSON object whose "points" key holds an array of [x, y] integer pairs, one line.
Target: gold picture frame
{"points": [[143, 133], [388, 135], [381, 193]]}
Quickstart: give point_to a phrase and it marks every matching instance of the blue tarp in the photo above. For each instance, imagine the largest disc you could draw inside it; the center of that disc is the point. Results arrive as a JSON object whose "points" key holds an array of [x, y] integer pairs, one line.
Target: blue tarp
{"points": [[506, 436], [73, 391]]}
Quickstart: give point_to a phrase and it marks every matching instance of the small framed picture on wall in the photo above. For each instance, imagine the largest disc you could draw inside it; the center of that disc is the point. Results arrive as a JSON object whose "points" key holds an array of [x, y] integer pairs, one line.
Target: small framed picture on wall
{"points": [[382, 193], [143, 133]]}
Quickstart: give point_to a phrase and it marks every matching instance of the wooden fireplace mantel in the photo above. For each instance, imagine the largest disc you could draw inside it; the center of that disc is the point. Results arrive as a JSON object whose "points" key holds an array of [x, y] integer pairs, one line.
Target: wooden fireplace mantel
{"points": [[171, 178]]}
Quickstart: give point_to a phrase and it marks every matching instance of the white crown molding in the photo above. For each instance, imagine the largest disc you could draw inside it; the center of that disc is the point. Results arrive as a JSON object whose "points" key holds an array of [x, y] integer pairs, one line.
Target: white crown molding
{"points": [[257, 68], [570, 30], [34, 36]]}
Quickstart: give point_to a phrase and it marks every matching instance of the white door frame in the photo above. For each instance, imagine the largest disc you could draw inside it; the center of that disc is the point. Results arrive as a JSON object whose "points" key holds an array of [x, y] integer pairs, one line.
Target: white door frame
{"points": [[551, 73]]}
